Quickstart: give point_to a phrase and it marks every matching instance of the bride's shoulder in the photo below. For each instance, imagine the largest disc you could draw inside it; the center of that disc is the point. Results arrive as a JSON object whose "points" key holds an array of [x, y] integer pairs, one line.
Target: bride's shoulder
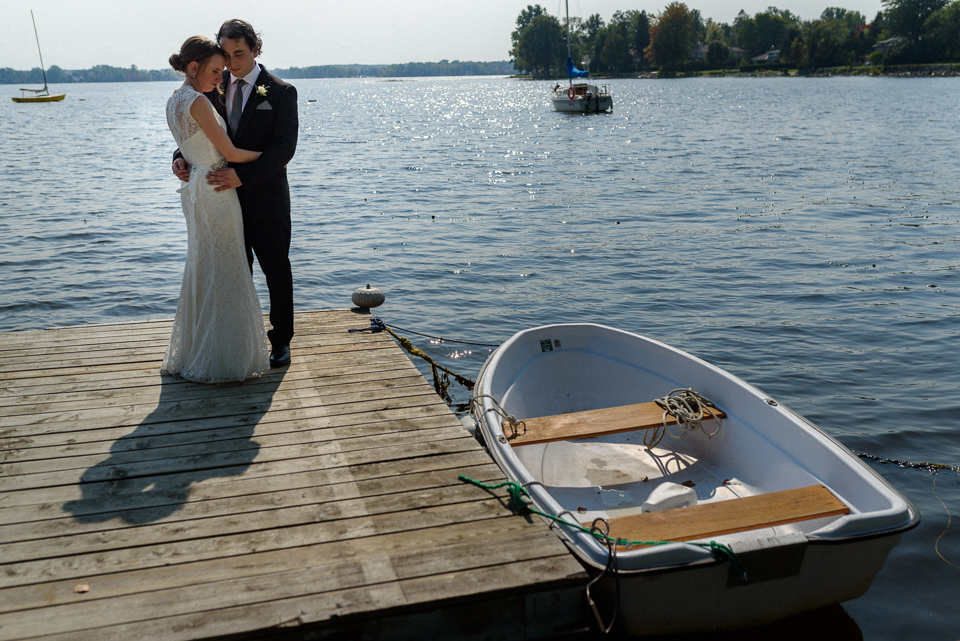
{"points": [[186, 95]]}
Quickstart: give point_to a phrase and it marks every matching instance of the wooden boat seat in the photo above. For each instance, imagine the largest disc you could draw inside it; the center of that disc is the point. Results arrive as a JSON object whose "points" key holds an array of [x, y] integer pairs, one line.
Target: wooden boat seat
{"points": [[725, 517], [576, 425]]}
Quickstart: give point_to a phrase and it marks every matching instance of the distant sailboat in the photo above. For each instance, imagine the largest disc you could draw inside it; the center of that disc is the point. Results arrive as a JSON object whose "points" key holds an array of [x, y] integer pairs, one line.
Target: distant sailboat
{"points": [[40, 95], [581, 96]]}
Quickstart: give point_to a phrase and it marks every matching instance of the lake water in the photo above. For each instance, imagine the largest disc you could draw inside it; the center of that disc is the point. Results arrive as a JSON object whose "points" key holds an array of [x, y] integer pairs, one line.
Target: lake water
{"points": [[803, 234]]}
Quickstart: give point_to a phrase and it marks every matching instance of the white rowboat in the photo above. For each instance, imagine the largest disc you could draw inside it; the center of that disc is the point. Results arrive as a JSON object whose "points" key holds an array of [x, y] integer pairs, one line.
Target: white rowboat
{"points": [[807, 521]]}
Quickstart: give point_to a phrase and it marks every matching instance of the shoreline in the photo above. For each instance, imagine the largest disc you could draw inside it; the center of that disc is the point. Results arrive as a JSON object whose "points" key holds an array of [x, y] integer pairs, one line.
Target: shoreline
{"points": [[898, 71]]}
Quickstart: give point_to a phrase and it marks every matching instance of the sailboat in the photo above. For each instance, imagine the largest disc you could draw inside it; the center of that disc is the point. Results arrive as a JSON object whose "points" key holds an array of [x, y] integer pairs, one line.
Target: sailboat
{"points": [[579, 96], [39, 95]]}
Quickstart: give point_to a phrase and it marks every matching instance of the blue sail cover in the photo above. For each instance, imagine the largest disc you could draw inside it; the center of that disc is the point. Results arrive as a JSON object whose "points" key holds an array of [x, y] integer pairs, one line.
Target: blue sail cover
{"points": [[573, 72]]}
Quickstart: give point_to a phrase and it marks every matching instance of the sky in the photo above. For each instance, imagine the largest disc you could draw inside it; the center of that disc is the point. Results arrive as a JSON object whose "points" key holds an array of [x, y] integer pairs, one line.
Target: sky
{"points": [[78, 34]]}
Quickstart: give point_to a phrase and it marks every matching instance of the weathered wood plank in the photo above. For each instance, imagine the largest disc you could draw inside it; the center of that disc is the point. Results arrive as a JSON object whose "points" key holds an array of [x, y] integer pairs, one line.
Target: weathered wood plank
{"points": [[82, 517], [108, 383], [328, 508], [158, 445], [112, 501], [93, 555], [161, 434], [725, 517], [314, 403], [226, 396], [60, 591], [232, 463], [142, 383], [577, 425], [407, 576], [242, 445]]}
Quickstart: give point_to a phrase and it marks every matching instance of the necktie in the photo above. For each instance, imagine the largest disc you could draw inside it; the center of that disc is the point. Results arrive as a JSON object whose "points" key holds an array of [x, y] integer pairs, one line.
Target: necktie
{"points": [[237, 106]]}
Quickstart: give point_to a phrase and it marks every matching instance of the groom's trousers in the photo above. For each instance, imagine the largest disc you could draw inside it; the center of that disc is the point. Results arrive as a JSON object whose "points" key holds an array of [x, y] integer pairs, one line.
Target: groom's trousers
{"points": [[269, 240]]}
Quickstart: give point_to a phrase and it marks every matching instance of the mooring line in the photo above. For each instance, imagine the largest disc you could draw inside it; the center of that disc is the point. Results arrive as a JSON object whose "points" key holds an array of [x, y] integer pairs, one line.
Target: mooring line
{"points": [[933, 468], [441, 382], [936, 544]]}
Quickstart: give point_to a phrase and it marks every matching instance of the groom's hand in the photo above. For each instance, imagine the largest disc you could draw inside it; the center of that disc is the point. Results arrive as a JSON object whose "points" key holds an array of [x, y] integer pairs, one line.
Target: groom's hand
{"points": [[223, 179], [181, 169]]}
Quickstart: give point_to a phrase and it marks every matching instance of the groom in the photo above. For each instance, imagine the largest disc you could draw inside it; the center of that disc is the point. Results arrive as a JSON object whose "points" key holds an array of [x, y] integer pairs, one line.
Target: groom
{"points": [[261, 113]]}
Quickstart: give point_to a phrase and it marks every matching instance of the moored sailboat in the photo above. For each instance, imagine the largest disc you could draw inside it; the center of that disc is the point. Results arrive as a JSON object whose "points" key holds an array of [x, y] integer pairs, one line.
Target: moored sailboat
{"points": [[39, 95], [581, 97]]}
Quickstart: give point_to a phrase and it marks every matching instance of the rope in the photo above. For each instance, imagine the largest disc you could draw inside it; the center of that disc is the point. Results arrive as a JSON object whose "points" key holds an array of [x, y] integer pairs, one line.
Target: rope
{"points": [[689, 408], [445, 340], [933, 468], [936, 544], [595, 529], [441, 382], [523, 504], [509, 419]]}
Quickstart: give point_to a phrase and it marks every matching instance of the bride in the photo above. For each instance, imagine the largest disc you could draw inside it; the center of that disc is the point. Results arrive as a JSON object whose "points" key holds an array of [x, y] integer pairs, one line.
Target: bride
{"points": [[218, 333]]}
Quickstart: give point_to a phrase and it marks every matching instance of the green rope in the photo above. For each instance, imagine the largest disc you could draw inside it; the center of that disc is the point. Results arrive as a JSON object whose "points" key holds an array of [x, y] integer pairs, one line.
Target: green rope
{"points": [[521, 501]]}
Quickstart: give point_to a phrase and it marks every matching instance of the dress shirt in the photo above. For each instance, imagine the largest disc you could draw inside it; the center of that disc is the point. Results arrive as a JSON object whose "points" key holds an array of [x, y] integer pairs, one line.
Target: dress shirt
{"points": [[250, 79]]}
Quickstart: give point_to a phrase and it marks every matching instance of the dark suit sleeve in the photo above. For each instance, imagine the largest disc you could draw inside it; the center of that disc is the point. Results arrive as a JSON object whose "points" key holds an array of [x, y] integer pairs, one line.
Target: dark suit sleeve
{"points": [[282, 144]]}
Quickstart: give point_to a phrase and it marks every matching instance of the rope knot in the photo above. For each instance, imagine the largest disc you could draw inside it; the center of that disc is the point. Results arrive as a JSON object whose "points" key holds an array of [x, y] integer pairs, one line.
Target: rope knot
{"points": [[689, 409]]}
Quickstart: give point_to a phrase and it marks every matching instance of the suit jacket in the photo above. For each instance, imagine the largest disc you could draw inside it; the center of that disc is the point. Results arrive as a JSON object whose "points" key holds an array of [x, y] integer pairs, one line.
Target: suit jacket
{"points": [[269, 123]]}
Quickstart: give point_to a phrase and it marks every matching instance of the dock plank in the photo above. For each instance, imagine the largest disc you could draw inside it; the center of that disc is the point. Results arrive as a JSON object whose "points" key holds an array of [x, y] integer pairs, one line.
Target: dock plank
{"points": [[320, 498]]}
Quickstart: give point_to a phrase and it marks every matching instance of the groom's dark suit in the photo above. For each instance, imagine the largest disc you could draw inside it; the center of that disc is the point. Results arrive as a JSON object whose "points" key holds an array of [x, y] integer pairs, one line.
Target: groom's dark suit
{"points": [[269, 123]]}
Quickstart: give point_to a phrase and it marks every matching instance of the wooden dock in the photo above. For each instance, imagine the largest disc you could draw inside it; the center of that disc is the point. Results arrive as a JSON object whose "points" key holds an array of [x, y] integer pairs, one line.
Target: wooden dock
{"points": [[321, 500]]}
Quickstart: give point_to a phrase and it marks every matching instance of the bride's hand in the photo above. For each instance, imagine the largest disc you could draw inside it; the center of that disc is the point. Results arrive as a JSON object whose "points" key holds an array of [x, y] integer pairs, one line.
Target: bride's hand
{"points": [[223, 179]]}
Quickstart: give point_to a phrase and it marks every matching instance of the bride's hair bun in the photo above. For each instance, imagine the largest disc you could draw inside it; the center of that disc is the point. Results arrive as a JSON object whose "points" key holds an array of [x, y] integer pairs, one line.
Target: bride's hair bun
{"points": [[194, 49]]}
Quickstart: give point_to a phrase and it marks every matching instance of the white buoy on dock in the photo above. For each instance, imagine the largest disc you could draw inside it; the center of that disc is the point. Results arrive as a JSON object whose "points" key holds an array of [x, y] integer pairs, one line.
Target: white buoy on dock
{"points": [[367, 297]]}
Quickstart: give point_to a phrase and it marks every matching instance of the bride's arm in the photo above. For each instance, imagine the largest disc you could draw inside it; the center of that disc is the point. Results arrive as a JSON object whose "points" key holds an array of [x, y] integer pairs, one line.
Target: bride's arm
{"points": [[204, 113]]}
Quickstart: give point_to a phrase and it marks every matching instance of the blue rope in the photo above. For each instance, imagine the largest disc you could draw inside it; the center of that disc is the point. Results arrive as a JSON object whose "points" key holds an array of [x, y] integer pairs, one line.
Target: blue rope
{"points": [[376, 326]]}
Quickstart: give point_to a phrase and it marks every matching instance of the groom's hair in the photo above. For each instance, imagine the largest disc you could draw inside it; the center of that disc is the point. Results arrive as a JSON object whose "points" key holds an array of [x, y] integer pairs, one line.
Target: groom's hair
{"points": [[238, 29]]}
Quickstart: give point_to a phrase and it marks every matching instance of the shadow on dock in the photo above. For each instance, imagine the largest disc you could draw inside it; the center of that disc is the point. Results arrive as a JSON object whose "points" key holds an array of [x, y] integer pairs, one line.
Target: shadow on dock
{"points": [[151, 470]]}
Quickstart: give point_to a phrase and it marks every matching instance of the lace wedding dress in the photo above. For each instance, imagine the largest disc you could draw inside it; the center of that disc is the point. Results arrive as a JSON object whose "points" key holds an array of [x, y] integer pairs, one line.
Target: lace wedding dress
{"points": [[218, 333]]}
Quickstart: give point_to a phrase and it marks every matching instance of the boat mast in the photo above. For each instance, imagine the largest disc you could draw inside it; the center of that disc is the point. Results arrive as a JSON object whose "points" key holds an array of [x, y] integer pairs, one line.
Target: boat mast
{"points": [[566, 2], [45, 73]]}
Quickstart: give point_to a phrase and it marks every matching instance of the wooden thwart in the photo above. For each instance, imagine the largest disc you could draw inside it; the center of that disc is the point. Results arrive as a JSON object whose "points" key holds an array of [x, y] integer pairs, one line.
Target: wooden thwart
{"points": [[577, 425], [725, 517]]}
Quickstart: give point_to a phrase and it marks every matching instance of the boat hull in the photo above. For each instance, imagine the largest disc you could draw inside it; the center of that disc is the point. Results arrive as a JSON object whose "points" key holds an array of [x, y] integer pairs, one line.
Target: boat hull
{"points": [[709, 598], [53, 98], [761, 448], [594, 104]]}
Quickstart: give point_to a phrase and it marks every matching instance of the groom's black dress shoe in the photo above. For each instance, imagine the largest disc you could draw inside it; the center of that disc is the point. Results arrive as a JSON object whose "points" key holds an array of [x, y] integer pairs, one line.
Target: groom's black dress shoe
{"points": [[280, 356]]}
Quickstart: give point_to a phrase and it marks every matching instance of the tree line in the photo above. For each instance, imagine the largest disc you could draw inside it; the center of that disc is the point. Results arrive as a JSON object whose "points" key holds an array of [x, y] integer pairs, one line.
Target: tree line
{"points": [[680, 39], [99, 73], [106, 73]]}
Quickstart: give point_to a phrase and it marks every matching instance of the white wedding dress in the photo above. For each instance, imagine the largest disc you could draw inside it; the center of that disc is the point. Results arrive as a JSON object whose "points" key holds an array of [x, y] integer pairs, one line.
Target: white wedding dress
{"points": [[218, 334]]}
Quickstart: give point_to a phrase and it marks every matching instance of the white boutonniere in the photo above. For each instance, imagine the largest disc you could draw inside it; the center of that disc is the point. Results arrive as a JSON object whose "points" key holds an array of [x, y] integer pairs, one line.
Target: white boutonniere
{"points": [[261, 90]]}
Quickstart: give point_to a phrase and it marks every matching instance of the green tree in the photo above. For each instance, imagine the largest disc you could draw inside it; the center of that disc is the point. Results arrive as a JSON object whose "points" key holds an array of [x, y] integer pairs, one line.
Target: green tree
{"points": [[799, 54], [943, 32], [671, 37], [523, 21], [717, 32], [771, 28], [594, 35], [640, 28], [907, 17], [541, 47], [824, 40], [615, 54], [718, 54]]}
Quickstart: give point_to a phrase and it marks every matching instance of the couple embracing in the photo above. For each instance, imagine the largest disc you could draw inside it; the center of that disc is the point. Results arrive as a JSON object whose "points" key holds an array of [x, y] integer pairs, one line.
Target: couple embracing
{"points": [[236, 130]]}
